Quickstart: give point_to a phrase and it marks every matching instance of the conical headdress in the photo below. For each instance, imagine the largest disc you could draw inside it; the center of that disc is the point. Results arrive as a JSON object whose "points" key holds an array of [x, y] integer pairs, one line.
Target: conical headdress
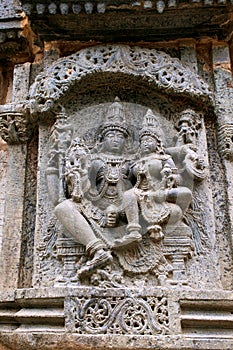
{"points": [[150, 126], [115, 119]]}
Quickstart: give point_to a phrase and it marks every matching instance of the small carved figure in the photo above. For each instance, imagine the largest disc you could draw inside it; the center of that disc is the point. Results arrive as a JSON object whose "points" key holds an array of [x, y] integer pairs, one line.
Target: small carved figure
{"points": [[76, 175], [186, 149], [188, 126], [60, 138], [157, 193]]}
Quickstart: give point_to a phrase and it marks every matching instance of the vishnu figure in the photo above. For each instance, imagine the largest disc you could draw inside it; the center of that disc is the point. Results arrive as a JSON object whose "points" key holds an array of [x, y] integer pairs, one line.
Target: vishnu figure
{"points": [[96, 182]]}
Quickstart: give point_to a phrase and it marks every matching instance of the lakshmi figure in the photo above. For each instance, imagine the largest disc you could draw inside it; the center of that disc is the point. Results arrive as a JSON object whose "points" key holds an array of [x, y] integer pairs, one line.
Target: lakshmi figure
{"points": [[157, 194], [96, 181]]}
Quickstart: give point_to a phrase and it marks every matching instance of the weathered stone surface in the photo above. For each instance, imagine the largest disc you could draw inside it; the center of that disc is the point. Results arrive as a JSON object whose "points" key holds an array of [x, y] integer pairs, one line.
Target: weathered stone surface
{"points": [[3, 181], [10, 9], [21, 86], [14, 200], [27, 239], [223, 87]]}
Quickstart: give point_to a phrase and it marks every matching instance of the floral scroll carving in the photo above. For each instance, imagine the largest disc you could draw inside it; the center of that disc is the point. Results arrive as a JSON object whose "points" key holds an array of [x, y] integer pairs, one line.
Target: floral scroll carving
{"points": [[14, 127], [164, 72], [118, 315]]}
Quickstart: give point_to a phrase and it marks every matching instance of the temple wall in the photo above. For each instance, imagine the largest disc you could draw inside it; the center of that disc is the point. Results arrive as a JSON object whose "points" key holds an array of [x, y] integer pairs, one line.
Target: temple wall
{"points": [[105, 244]]}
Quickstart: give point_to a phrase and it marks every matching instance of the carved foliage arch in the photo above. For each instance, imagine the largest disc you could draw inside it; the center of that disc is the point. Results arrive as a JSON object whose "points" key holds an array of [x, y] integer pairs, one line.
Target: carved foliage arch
{"points": [[158, 68]]}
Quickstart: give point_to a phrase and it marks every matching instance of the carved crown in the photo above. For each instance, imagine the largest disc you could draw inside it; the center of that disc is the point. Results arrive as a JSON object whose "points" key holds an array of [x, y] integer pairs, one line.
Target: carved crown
{"points": [[191, 117], [150, 126], [115, 119]]}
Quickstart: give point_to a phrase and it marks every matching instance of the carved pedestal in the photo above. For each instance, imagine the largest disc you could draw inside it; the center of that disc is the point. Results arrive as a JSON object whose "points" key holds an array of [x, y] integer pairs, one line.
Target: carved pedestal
{"points": [[69, 253], [178, 248]]}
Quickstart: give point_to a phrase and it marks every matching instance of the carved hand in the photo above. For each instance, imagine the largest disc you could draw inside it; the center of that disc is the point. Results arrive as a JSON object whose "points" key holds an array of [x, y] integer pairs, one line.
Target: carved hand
{"points": [[111, 213], [111, 219], [77, 197]]}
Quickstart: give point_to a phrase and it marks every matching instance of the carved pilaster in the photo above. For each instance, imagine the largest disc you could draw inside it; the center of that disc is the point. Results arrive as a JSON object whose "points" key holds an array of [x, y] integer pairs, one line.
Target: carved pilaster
{"points": [[13, 218], [223, 86], [225, 141], [14, 127], [15, 130]]}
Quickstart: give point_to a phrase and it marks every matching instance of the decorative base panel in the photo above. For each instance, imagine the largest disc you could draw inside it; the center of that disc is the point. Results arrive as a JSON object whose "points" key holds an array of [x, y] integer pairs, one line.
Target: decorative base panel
{"points": [[87, 318]]}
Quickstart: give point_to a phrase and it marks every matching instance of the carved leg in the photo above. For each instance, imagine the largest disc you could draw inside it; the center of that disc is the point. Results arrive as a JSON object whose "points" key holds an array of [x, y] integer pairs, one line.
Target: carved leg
{"points": [[130, 205], [81, 232], [181, 196]]}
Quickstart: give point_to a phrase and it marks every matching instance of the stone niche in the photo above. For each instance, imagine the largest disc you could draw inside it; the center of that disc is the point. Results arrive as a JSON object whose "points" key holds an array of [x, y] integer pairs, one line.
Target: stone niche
{"points": [[116, 237]]}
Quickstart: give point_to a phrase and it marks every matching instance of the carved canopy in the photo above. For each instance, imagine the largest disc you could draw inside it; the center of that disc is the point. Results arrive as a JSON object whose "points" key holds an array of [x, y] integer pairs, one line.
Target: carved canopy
{"points": [[160, 70]]}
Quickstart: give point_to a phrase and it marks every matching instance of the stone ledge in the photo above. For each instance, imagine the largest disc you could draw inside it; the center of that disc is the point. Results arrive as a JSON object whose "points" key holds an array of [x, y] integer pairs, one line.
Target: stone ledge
{"points": [[175, 292], [61, 341]]}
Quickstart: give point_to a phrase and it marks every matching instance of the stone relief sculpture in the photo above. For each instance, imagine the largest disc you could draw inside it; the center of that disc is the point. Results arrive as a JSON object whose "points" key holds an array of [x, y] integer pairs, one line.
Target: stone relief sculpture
{"points": [[157, 192], [123, 196]]}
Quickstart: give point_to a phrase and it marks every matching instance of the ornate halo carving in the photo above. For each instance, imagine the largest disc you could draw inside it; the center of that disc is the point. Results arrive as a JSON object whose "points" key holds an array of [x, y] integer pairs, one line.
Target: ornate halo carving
{"points": [[158, 68]]}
